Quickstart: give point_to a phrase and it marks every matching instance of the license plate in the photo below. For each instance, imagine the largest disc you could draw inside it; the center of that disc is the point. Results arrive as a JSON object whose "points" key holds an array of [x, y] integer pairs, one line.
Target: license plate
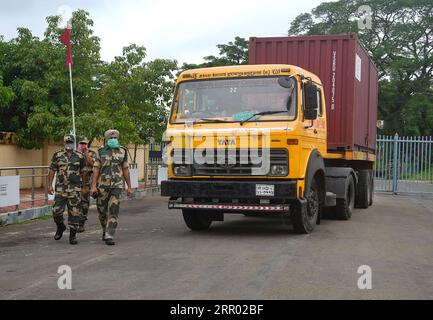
{"points": [[267, 190]]}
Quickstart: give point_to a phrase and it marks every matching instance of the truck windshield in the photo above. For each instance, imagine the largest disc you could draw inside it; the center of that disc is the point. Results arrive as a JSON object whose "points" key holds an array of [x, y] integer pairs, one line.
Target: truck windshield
{"points": [[233, 100]]}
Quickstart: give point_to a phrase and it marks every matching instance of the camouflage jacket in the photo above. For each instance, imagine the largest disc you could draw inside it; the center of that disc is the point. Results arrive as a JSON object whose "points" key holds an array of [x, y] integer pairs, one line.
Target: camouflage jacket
{"points": [[68, 170], [89, 168], [110, 163]]}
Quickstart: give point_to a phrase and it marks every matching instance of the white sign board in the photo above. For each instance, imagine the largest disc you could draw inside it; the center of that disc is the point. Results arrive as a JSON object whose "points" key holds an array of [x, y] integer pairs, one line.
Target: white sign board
{"points": [[162, 174], [133, 173], [9, 191]]}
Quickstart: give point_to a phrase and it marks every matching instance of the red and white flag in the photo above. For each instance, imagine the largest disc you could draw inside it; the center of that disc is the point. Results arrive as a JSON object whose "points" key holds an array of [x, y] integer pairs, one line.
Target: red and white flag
{"points": [[65, 38]]}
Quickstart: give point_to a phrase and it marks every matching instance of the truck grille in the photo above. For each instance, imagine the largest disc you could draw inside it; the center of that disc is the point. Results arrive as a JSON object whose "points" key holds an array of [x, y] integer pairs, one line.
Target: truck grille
{"points": [[234, 166]]}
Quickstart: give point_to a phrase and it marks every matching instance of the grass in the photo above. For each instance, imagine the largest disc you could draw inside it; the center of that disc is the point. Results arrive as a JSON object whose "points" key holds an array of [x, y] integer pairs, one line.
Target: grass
{"points": [[387, 173], [426, 175]]}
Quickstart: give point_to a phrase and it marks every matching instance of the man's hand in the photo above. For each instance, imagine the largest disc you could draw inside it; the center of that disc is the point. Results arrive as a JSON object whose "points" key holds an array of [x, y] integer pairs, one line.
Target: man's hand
{"points": [[93, 190], [50, 182], [127, 178]]}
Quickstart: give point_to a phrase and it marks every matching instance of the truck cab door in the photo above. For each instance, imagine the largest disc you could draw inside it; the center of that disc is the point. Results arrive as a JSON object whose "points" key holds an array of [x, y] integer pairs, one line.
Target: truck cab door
{"points": [[313, 116]]}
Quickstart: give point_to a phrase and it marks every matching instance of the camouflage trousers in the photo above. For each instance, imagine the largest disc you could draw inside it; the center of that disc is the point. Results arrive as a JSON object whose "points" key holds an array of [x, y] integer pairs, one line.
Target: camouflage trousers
{"points": [[73, 202], [108, 203], [85, 204]]}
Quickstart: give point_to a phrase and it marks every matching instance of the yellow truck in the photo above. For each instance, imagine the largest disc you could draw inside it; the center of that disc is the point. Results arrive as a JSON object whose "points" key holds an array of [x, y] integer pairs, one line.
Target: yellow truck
{"points": [[253, 139]]}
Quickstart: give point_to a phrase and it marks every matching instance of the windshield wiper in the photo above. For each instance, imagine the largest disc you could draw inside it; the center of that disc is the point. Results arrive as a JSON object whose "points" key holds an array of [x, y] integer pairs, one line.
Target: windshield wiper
{"points": [[214, 120], [264, 113]]}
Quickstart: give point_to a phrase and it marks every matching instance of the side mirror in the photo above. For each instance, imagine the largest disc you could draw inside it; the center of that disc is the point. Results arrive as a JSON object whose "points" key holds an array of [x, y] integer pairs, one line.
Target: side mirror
{"points": [[288, 83], [311, 103]]}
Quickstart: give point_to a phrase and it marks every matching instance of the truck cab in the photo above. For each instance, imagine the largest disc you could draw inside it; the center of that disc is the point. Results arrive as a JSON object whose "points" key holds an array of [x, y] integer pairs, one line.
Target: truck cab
{"points": [[253, 139]]}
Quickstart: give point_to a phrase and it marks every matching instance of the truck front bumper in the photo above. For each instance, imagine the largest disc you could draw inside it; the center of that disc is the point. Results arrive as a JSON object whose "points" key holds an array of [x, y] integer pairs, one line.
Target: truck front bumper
{"points": [[173, 204], [228, 190]]}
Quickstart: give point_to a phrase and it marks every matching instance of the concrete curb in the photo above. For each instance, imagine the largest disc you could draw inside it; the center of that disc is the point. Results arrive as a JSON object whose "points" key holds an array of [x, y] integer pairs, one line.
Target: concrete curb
{"points": [[35, 213], [24, 215]]}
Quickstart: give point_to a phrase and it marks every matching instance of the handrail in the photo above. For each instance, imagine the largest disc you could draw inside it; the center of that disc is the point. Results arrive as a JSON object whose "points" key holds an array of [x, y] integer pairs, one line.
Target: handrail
{"points": [[150, 177], [24, 168], [32, 176]]}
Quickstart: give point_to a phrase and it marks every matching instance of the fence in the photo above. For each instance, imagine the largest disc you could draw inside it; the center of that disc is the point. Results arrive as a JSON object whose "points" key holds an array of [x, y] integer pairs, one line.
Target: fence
{"points": [[404, 164], [151, 175], [155, 153], [34, 195], [37, 196]]}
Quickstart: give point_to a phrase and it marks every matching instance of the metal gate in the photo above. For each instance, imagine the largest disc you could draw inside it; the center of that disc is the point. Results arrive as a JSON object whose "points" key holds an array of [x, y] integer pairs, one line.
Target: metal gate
{"points": [[155, 153], [404, 164]]}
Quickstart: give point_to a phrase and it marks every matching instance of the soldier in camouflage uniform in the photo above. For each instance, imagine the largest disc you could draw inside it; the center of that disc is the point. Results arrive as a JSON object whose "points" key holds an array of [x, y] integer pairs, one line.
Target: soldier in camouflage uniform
{"points": [[109, 172], [70, 168], [90, 156]]}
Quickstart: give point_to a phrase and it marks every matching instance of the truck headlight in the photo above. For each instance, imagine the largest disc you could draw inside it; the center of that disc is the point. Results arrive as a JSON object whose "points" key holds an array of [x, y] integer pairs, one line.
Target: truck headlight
{"points": [[181, 170], [278, 170]]}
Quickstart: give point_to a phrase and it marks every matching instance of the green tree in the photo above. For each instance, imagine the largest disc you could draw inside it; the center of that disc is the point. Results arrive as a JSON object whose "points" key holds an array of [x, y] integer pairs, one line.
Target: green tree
{"points": [[7, 95], [128, 94], [36, 71], [139, 91], [24, 71]]}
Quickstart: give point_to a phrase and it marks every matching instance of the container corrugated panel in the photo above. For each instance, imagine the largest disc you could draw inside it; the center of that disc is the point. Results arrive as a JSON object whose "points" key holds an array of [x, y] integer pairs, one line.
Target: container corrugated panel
{"points": [[349, 78]]}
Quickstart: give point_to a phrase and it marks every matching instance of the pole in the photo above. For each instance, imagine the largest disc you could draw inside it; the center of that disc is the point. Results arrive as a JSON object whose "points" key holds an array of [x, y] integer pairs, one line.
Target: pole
{"points": [[395, 165], [72, 103]]}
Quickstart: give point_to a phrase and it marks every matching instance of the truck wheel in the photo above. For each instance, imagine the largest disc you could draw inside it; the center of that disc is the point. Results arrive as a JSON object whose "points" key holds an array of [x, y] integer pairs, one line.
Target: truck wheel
{"points": [[196, 219], [363, 190], [345, 206], [370, 200], [305, 220]]}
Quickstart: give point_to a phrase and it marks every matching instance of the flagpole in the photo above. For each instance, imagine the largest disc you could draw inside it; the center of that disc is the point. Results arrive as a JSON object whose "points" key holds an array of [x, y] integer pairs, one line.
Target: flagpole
{"points": [[72, 103]]}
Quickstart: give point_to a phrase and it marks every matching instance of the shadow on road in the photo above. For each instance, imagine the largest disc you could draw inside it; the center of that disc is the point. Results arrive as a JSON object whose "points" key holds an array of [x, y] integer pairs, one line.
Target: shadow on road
{"points": [[249, 226], [259, 225]]}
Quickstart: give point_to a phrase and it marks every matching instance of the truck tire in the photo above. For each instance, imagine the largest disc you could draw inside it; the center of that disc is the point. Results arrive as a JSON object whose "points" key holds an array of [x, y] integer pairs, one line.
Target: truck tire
{"points": [[370, 200], [363, 190], [345, 206], [304, 221], [196, 220]]}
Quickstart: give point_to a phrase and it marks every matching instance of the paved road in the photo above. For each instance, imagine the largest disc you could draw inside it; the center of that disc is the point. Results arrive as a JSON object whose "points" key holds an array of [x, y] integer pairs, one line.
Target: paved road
{"points": [[156, 257]]}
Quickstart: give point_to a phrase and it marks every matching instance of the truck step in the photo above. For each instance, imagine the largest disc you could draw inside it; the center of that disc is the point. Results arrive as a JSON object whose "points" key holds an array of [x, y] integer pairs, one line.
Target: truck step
{"points": [[331, 199]]}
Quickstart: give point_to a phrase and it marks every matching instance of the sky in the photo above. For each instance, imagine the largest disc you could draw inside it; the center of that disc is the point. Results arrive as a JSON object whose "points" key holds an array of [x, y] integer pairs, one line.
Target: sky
{"points": [[185, 30]]}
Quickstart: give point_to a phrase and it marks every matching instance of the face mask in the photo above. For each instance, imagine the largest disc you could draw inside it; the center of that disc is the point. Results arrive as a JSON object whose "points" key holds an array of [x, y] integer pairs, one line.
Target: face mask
{"points": [[69, 146], [113, 143]]}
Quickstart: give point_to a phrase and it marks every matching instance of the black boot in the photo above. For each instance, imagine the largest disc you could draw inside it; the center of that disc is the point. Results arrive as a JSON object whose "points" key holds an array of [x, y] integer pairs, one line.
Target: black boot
{"points": [[81, 228], [59, 233], [103, 235], [110, 242], [72, 236]]}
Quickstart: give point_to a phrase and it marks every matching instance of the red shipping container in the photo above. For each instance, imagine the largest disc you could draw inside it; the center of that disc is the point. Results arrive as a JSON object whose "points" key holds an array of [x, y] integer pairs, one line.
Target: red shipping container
{"points": [[348, 75]]}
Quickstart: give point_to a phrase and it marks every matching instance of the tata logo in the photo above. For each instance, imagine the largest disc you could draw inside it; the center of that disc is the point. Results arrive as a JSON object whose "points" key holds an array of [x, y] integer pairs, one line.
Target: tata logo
{"points": [[226, 142]]}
